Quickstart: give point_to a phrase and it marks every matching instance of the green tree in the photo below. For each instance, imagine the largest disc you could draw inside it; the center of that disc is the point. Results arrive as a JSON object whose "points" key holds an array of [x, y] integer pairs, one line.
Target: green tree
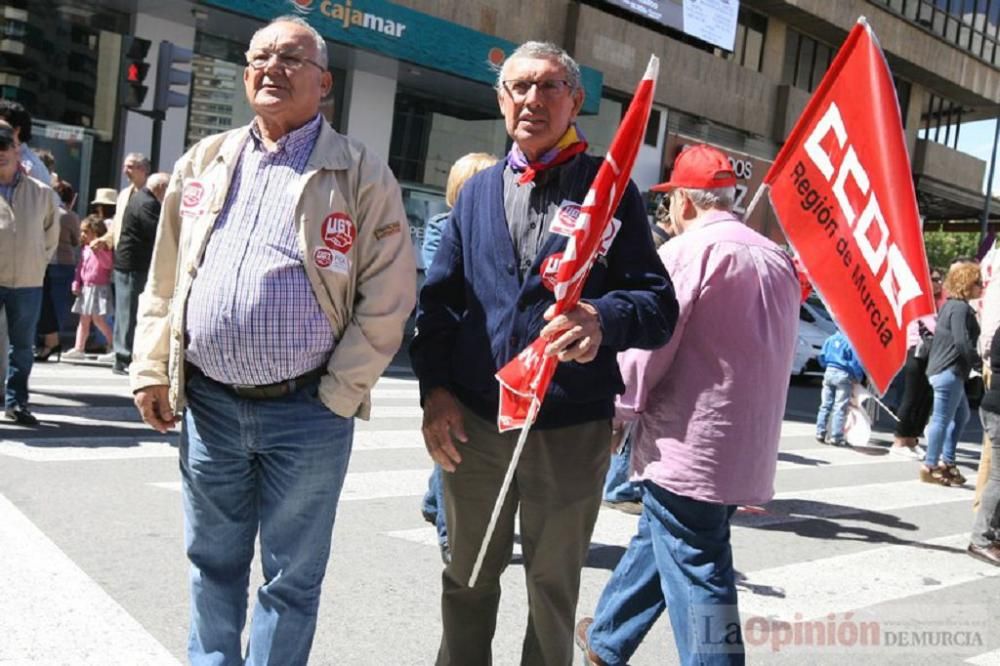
{"points": [[944, 246]]}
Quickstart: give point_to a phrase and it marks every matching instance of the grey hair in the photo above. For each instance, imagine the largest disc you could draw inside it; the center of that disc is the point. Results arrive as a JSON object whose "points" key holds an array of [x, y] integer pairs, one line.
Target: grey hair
{"points": [[299, 21], [722, 198], [158, 179], [544, 50], [141, 160]]}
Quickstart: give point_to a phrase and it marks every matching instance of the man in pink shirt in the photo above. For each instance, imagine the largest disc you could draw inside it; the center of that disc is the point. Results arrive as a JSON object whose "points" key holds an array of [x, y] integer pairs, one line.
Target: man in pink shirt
{"points": [[707, 409]]}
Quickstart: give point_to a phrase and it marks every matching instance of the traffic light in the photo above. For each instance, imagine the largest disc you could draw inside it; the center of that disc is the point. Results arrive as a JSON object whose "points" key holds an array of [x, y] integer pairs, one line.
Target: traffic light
{"points": [[166, 76], [133, 71]]}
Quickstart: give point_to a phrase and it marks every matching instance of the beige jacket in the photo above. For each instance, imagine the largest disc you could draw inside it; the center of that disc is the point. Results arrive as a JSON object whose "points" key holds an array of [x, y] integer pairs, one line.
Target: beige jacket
{"points": [[367, 291], [29, 234]]}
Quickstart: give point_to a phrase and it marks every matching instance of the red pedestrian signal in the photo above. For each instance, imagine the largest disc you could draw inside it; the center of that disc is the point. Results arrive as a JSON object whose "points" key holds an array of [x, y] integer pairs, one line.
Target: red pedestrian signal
{"points": [[134, 68]]}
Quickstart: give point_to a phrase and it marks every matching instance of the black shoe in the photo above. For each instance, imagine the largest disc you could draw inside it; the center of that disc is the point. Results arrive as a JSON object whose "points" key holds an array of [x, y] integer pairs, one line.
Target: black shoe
{"points": [[43, 354], [120, 369], [21, 416]]}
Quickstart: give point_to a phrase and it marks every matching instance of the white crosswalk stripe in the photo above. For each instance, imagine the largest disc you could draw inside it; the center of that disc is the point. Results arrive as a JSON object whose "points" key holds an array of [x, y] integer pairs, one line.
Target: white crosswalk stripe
{"points": [[835, 493], [867, 578], [985, 659], [61, 616]]}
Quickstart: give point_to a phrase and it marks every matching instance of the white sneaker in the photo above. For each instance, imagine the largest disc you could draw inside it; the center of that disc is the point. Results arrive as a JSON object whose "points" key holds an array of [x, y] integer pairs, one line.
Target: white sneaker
{"points": [[106, 358], [74, 355], [906, 452]]}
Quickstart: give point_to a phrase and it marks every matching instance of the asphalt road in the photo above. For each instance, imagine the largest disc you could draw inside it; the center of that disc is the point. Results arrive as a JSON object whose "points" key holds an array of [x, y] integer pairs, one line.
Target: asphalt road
{"points": [[91, 536]]}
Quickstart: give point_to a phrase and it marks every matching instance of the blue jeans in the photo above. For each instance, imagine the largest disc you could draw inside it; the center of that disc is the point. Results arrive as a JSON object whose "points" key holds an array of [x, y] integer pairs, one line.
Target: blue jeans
{"points": [[433, 504], [948, 419], [276, 466], [128, 286], [681, 553], [617, 487], [22, 306], [836, 393]]}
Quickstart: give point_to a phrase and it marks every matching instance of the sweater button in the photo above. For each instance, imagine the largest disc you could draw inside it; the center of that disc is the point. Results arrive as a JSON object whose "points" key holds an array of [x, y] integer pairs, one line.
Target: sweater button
{"points": [[510, 268]]}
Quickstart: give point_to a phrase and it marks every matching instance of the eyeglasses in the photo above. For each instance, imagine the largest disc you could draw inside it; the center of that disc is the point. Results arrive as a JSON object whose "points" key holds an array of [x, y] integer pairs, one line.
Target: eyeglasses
{"points": [[935, 278], [518, 89], [6, 144], [287, 61]]}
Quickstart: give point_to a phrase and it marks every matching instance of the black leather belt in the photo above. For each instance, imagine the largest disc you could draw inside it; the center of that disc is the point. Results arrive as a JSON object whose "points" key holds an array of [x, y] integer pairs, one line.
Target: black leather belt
{"points": [[264, 391]]}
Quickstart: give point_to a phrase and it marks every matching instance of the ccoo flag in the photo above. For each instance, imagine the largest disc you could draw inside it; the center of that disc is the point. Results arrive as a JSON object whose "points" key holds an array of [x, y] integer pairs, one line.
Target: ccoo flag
{"points": [[842, 190], [525, 379]]}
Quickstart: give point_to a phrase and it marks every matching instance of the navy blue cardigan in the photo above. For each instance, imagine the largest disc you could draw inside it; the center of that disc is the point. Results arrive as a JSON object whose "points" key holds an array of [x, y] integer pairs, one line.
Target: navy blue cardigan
{"points": [[474, 314]]}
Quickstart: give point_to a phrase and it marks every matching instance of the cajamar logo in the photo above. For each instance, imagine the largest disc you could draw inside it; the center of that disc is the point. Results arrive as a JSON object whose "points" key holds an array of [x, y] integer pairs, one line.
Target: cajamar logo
{"points": [[349, 17]]}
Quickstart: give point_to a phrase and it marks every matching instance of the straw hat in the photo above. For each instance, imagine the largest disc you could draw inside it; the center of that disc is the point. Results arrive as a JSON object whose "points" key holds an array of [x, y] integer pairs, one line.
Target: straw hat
{"points": [[106, 196]]}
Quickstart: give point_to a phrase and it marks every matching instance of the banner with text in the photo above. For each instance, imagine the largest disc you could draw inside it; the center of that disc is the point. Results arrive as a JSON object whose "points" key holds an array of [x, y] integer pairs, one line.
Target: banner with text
{"points": [[843, 193]]}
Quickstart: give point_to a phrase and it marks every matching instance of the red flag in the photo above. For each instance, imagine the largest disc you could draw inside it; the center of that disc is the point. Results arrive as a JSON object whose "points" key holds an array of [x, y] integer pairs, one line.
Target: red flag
{"points": [[842, 190], [525, 379], [805, 286]]}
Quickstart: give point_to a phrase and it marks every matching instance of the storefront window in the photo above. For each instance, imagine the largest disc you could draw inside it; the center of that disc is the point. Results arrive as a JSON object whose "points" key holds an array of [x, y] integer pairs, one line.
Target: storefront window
{"points": [[432, 127]]}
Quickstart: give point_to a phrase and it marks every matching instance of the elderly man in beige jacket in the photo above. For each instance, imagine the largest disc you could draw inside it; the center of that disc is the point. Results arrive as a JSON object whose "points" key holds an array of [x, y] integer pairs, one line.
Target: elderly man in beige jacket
{"points": [[282, 277], [29, 233]]}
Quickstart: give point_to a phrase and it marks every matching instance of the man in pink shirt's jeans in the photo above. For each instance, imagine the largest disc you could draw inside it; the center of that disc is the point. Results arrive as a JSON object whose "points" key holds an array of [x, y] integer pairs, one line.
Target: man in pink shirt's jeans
{"points": [[707, 409]]}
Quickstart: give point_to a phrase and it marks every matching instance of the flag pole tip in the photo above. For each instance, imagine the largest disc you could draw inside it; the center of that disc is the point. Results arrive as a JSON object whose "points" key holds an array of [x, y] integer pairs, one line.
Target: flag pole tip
{"points": [[653, 68], [862, 20]]}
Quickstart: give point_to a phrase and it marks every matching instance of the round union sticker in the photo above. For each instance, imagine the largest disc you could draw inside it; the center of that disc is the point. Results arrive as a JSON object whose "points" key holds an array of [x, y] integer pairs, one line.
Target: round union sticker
{"points": [[568, 215], [549, 270], [339, 232], [323, 257], [193, 192]]}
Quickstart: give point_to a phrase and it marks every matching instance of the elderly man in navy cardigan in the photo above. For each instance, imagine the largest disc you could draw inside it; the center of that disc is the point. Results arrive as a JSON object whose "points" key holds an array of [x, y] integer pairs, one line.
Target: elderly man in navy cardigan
{"points": [[486, 297]]}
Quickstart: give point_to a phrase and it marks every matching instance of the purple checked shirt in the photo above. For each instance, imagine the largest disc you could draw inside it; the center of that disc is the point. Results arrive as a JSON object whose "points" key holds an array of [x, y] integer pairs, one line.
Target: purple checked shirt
{"points": [[709, 403], [252, 317]]}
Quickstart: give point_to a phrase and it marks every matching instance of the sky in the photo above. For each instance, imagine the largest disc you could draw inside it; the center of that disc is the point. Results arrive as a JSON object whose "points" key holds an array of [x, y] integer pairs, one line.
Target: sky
{"points": [[976, 139]]}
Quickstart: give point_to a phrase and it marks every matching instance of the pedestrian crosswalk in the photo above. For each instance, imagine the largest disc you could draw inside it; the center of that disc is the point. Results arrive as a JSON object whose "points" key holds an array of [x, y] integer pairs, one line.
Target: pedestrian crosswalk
{"points": [[54, 613], [848, 531]]}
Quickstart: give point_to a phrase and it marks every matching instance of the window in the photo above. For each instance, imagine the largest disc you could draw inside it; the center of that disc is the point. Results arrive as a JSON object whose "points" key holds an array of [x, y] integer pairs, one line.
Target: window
{"points": [[806, 60], [970, 25], [941, 119], [652, 128], [903, 96], [748, 49]]}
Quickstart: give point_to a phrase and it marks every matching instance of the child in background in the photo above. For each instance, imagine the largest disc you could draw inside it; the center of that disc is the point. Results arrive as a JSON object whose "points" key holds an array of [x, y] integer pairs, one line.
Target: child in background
{"points": [[91, 285], [843, 371]]}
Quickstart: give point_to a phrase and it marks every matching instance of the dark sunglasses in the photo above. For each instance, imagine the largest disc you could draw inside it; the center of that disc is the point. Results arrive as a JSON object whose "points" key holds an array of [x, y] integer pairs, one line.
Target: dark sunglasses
{"points": [[6, 144]]}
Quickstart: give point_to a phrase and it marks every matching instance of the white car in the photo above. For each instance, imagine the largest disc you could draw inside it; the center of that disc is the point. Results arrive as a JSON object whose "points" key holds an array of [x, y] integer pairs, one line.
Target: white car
{"points": [[815, 326]]}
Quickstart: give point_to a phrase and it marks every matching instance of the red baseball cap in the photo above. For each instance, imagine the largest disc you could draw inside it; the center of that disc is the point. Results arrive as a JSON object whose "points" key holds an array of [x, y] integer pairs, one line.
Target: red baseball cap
{"points": [[699, 167]]}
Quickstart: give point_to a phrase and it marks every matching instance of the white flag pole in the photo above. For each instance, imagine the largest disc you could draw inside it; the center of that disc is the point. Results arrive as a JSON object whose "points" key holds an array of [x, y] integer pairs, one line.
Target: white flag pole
{"points": [[529, 421], [764, 187]]}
